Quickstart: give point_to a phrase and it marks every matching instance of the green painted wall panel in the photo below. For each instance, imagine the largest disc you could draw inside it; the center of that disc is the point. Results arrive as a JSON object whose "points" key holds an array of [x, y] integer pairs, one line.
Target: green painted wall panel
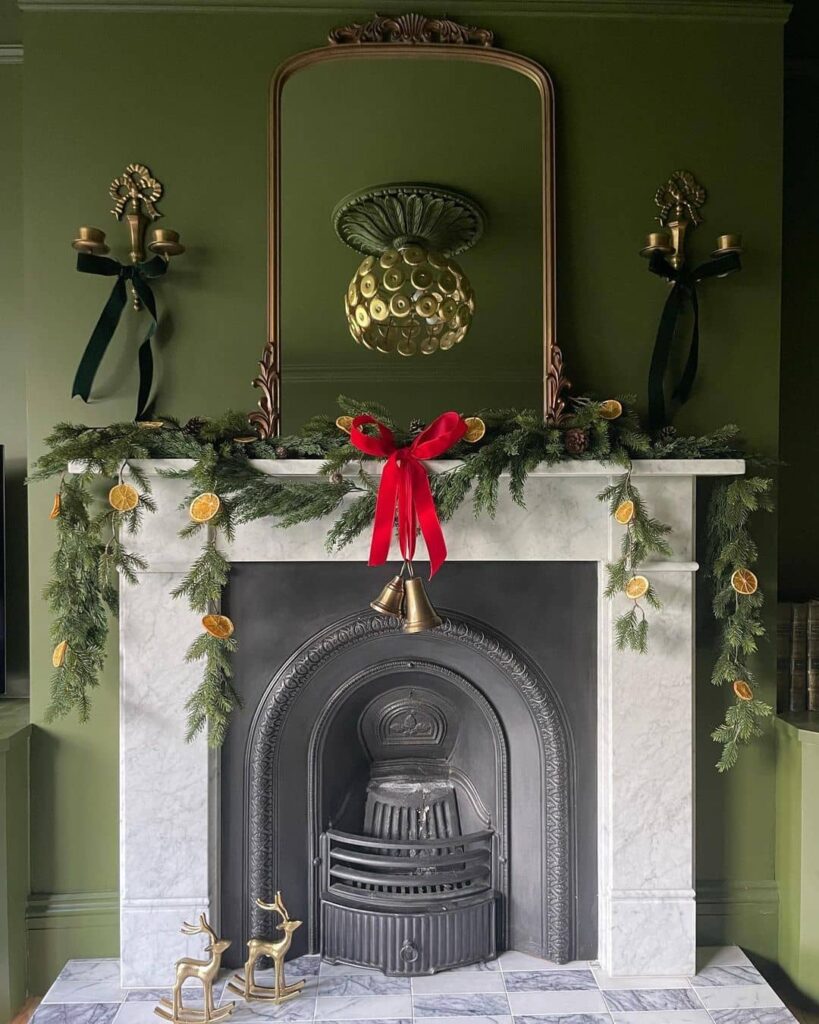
{"points": [[187, 94]]}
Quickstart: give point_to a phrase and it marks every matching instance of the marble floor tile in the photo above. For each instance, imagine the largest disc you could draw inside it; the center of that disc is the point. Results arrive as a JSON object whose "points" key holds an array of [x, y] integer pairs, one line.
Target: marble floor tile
{"points": [[327, 969], [75, 1013], [538, 1004], [773, 1015], [363, 1007], [471, 1004], [362, 985], [136, 1012], [651, 999], [301, 1009], [514, 961], [742, 974], [305, 965], [737, 997], [661, 1017], [720, 956], [476, 1019], [192, 994], [548, 981], [87, 981], [482, 965], [566, 1018], [628, 981], [459, 981]]}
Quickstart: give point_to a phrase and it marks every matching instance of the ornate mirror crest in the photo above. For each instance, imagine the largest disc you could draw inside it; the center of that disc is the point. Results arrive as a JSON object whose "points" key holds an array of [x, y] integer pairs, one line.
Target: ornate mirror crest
{"points": [[409, 36]]}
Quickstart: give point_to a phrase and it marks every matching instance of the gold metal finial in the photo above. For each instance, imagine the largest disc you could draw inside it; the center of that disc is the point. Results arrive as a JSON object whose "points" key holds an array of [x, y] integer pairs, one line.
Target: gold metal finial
{"points": [[136, 187], [277, 949], [205, 971], [680, 197]]}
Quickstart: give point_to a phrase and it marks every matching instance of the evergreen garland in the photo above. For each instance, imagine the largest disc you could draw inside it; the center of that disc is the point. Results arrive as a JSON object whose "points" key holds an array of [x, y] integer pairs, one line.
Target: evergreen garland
{"points": [[90, 552]]}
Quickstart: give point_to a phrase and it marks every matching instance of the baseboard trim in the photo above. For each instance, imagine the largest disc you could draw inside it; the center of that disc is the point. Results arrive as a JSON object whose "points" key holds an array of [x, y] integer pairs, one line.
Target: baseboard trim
{"points": [[721, 897], [62, 909]]}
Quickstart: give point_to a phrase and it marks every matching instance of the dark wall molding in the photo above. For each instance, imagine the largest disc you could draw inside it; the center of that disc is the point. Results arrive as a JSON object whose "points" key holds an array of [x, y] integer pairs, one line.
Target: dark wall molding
{"points": [[11, 53], [774, 11]]}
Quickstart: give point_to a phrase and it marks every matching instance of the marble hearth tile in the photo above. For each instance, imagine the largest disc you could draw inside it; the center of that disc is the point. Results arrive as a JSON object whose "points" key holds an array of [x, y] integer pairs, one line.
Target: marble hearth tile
{"points": [[486, 1004], [662, 1017], [363, 1007], [528, 1004], [546, 981], [496, 1019], [138, 1012], [483, 965], [299, 1009], [380, 1020], [328, 970], [605, 980], [302, 965], [87, 981], [721, 956], [192, 994], [363, 985], [737, 997], [514, 961], [76, 1013], [777, 1015], [566, 1018], [728, 975], [651, 999], [459, 981]]}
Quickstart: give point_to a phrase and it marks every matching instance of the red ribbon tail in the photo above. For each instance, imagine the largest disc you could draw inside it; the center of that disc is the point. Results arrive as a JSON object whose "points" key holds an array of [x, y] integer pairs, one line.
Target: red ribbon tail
{"points": [[428, 518], [384, 519]]}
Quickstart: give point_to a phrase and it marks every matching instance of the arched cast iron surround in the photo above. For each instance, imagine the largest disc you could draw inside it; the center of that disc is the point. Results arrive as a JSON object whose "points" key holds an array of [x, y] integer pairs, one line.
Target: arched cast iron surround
{"points": [[547, 714]]}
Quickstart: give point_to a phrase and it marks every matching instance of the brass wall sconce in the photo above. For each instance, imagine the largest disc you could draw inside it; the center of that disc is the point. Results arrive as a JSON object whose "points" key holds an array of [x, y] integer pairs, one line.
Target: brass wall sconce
{"points": [[408, 295], [135, 193], [679, 201]]}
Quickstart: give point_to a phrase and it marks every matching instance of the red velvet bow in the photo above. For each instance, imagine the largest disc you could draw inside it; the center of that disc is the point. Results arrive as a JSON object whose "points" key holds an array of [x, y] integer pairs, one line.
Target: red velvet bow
{"points": [[405, 486]]}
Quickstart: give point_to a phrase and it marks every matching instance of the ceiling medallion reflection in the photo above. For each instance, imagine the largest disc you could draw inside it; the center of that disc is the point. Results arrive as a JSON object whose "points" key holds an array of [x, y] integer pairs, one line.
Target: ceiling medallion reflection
{"points": [[411, 29]]}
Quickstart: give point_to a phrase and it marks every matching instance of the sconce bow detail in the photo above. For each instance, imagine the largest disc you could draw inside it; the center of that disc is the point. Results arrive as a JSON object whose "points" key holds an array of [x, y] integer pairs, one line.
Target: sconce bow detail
{"points": [[408, 295], [679, 201], [135, 194]]}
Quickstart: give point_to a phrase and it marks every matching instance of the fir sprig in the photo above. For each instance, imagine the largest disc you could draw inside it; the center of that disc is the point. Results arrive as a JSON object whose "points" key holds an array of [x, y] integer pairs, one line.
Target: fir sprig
{"points": [[731, 548]]}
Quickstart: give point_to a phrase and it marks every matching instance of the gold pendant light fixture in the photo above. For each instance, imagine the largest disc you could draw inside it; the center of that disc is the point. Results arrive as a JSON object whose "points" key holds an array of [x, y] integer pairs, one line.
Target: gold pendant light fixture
{"points": [[409, 295]]}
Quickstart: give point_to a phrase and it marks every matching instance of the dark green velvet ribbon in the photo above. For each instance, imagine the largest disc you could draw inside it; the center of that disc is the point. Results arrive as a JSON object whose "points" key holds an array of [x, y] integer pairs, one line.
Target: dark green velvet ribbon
{"points": [[138, 275], [683, 292]]}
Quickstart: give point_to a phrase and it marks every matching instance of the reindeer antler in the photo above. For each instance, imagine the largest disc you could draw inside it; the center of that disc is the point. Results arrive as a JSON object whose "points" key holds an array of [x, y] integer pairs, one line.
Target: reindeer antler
{"points": [[276, 906], [203, 928]]}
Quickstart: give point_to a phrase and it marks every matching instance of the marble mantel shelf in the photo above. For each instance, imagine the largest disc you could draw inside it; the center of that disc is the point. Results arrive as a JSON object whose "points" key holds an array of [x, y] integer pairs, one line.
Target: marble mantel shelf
{"points": [[169, 790], [570, 467]]}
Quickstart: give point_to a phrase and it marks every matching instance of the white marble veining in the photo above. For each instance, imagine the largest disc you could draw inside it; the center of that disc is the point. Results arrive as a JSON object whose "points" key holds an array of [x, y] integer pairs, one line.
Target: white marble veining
{"points": [[169, 789]]}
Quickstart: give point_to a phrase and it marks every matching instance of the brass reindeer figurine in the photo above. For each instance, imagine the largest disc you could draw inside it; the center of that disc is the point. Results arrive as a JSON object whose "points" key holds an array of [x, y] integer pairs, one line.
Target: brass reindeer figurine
{"points": [[205, 971], [276, 950]]}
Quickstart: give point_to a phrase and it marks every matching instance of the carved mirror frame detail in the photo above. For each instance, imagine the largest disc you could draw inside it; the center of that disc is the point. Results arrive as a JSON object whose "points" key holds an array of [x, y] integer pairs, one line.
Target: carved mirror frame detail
{"points": [[408, 36]]}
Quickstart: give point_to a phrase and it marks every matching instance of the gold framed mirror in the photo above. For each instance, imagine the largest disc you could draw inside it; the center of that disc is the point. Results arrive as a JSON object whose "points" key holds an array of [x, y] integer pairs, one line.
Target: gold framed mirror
{"points": [[308, 146]]}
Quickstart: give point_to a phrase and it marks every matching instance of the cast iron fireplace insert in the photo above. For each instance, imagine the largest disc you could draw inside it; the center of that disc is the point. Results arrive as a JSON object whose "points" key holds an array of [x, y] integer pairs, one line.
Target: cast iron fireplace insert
{"points": [[422, 801]]}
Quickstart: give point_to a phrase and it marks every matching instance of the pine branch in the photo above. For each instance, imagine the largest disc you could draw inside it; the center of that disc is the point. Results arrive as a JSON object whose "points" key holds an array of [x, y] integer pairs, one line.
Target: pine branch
{"points": [[202, 585]]}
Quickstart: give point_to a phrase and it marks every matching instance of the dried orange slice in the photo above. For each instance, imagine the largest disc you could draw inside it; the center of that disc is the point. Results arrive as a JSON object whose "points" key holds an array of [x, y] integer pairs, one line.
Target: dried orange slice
{"points": [[743, 690], [123, 497], [475, 429], [744, 582], [219, 626], [151, 424], [204, 507], [245, 439], [58, 655], [636, 587], [345, 423], [55, 508], [624, 512], [611, 409]]}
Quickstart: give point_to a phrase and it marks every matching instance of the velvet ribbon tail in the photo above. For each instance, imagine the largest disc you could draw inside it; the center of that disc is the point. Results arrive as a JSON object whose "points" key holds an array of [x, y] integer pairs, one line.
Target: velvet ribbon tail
{"points": [[103, 332], [684, 289], [404, 489]]}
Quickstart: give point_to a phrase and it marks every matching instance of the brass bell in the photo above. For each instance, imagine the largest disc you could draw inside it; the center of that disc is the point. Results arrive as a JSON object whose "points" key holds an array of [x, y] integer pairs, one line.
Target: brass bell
{"points": [[391, 599], [419, 614]]}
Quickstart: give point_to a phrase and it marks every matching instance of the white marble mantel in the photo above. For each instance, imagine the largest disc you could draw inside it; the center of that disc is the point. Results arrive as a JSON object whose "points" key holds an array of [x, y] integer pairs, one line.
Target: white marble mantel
{"points": [[169, 790]]}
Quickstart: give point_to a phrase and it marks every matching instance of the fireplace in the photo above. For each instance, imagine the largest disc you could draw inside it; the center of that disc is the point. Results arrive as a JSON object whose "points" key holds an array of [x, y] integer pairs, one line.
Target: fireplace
{"points": [[188, 843], [424, 801]]}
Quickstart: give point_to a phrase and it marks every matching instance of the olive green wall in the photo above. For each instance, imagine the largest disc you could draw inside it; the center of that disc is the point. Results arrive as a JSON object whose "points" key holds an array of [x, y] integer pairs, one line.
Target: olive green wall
{"points": [[187, 93]]}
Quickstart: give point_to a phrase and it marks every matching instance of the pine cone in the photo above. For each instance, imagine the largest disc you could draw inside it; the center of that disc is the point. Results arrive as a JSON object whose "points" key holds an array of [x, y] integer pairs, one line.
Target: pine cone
{"points": [[336, 477], [194, 425], [416, 426], [667, 435], [576, 440], [282, 452]]}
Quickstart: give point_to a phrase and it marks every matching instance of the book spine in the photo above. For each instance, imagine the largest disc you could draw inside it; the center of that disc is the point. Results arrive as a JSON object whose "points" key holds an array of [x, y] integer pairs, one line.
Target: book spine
{"points": [[784, 615], [799, 651], [813, 656]]}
